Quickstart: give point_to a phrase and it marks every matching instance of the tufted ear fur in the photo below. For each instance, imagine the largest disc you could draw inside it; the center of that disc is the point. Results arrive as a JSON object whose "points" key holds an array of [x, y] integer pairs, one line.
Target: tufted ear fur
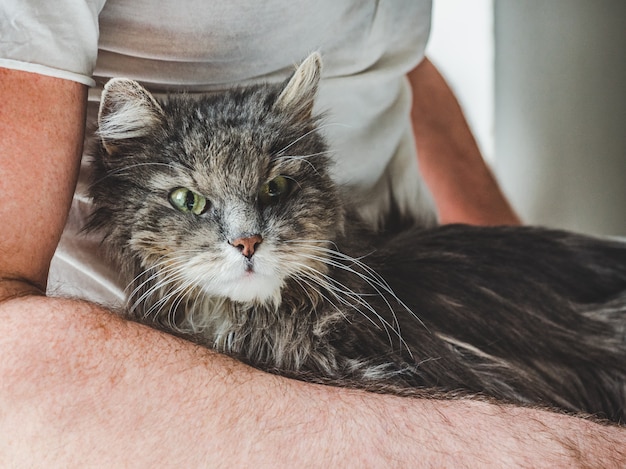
{"points": [[127, 110], [298, 94]]}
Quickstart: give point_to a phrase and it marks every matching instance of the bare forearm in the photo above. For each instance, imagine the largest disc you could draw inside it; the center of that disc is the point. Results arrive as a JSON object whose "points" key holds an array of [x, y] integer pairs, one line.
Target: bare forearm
{"points": [[79, 385], [41, 137], [463, 187]]}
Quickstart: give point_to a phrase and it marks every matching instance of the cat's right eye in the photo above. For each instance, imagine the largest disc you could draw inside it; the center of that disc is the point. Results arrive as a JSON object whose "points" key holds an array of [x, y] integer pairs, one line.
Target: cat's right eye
{"points": [[187, 200], [274, 190]]}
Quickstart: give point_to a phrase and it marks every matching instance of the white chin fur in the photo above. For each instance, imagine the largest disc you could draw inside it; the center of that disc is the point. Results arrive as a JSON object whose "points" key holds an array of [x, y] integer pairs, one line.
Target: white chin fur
{"points": [[231, 280], [255, 288]]}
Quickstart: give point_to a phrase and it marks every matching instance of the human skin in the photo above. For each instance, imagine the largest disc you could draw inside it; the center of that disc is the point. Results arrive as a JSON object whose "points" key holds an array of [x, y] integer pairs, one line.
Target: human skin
{"points": [[86, 388], [79, 386], [41, 135], [463, 187]]}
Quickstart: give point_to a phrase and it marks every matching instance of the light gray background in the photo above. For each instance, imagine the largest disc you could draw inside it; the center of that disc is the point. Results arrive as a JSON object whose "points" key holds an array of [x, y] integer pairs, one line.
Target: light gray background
{"points": [[560, 111]]}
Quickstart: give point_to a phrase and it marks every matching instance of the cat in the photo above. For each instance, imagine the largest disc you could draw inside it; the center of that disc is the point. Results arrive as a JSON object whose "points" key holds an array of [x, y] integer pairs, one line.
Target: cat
{"points": [[229, 230]]}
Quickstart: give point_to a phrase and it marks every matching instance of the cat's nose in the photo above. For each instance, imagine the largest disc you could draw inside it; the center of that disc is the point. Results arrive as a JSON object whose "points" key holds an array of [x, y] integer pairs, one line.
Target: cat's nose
{"points": [[248, 245]]}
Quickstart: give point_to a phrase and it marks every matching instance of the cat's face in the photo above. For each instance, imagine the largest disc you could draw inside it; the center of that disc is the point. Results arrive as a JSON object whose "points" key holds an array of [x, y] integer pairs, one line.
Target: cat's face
{"points": [[229, 194]]}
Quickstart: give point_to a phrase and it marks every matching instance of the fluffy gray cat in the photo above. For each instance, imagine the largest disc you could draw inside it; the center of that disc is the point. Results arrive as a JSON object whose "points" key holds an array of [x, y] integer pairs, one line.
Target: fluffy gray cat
{"points": [[224, 220]]}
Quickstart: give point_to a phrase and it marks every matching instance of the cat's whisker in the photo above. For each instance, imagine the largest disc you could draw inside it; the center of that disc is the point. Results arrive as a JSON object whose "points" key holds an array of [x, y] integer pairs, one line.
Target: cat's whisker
{"points": [[313, 244], [189, 286], [329, 282], [157, 268], [372, 277], [294, 180], [195, 304], [386, 326], [176, 288], [354, 260], [308, 155], [164, 279], [312, 166], [304, 158], [158, 271], [153, 287], [177, 299], [121, 171], [333, 286], [373, 284], [315, 130], [180, 258], [312, 283], [160, 288], [319, 285]]}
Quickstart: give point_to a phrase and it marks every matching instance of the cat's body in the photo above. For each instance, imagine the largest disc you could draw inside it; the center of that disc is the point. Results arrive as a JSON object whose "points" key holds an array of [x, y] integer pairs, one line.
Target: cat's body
{"points": [[226, 224]]}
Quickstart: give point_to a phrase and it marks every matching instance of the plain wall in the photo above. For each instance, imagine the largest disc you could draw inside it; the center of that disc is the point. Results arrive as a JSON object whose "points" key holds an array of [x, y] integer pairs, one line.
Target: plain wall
{"points": [[461, 46], [560, 111]]}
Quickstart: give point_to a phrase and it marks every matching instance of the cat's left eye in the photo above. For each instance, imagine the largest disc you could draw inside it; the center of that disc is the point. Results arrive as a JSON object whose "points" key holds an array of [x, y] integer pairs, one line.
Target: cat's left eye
{"points": [[187, 200], [272, 191]]}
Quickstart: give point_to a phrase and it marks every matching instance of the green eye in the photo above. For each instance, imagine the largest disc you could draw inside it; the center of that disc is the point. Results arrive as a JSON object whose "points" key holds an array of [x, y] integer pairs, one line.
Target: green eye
{"points": [[188, 201], [272, 191]]}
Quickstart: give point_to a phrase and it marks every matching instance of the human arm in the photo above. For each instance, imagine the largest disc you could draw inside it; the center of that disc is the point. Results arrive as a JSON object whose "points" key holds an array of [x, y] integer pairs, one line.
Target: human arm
{"points": [[41, 137], [463, 187], [82, 387]]}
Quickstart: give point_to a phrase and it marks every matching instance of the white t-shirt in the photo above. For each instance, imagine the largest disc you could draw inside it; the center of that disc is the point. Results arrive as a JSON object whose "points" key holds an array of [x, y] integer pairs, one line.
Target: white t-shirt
{"points": [[367, 46]]}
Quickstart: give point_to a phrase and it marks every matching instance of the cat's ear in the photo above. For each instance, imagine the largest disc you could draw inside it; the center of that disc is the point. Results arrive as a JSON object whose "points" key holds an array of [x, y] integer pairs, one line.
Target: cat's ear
{"points": [[127, 110], [298, 94]]}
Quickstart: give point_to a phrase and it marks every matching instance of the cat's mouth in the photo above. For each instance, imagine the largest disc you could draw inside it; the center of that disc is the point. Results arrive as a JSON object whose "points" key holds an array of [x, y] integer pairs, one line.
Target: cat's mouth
{"points": [[248, 280], [255, 280], [254, 287]]}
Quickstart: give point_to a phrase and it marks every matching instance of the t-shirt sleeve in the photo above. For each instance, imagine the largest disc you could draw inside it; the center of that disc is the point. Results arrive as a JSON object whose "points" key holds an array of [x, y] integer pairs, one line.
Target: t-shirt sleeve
{"points": [[53, 37]]}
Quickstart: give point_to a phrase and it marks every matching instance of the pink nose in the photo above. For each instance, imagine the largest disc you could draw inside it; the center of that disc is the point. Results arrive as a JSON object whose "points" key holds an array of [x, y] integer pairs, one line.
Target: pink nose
{"points": [[248, 245]]}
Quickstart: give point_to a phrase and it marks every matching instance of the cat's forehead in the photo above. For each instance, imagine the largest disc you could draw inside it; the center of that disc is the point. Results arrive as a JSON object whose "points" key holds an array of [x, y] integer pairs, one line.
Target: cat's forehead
{"points": [[224, 166], [211, 147]]}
